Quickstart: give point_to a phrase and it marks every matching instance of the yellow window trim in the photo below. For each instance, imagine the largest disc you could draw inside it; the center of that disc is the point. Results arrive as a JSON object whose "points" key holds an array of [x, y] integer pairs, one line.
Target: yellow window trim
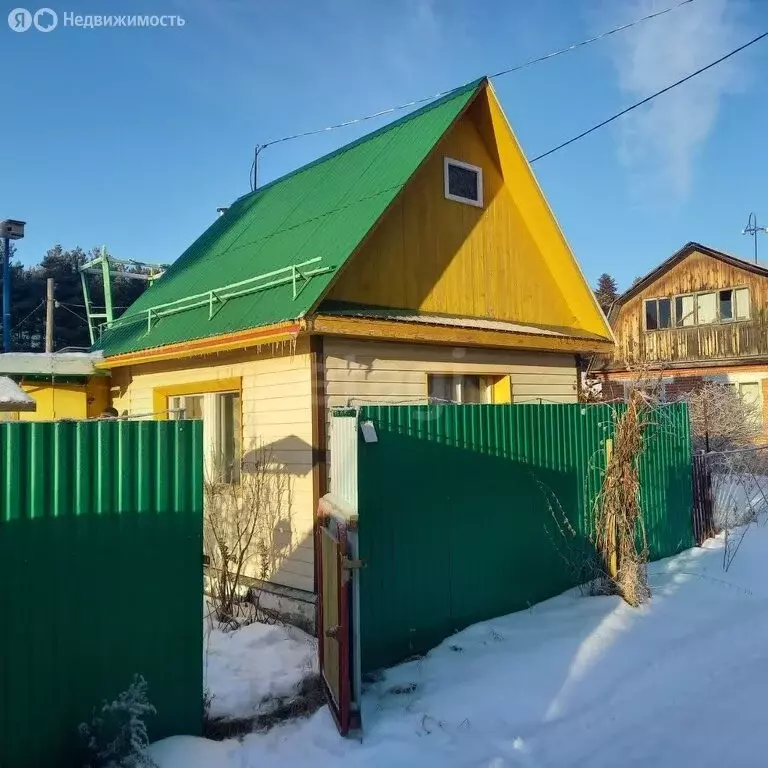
{"points": [[160, 395]]}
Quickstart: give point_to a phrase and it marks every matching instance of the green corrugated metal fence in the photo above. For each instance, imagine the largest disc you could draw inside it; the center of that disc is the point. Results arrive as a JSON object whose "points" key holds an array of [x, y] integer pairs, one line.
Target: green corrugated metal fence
{"points": [[100, 579], [462, 511]]}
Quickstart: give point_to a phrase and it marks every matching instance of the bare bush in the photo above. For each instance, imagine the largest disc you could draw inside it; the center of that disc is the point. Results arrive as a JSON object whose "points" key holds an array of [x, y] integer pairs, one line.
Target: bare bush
{"points": [[240, 522], [721, 419], [619, 533]]}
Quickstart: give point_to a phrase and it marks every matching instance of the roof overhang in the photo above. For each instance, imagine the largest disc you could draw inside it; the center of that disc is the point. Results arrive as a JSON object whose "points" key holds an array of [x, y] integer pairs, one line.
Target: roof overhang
{"points": [[444, 331], [49, 363], [227, 342]]}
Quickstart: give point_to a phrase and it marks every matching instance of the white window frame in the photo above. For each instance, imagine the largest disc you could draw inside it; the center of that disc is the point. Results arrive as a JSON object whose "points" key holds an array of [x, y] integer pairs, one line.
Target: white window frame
{"points": [[468, 166], [212, 428]]}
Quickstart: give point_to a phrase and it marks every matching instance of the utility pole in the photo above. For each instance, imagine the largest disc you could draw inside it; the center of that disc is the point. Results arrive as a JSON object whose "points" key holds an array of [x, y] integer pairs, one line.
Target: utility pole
{"points": [[49, 304], [6, 294], [753, 228]]}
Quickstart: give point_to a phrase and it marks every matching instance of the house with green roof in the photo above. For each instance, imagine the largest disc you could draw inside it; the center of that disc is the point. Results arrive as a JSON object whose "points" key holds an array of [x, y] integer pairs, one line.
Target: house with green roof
{"points": [[420, 263]]}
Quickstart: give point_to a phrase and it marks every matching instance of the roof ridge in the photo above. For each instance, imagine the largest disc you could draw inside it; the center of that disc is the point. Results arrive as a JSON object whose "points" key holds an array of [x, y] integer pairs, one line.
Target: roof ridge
{"points": [[692, 245], [459, 90]]}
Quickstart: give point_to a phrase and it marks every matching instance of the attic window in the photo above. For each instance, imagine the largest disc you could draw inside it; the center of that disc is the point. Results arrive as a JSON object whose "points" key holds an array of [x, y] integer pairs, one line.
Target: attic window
{"points": [[463, 182]]}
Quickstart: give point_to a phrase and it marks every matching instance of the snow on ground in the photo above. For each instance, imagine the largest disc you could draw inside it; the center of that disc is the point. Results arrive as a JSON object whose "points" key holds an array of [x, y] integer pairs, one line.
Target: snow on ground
{"points": [[574, 681], [247, 669]]}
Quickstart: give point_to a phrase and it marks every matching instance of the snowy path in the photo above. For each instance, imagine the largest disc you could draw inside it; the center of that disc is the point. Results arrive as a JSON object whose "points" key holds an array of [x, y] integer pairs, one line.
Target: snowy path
{"points": [[575, 681]]}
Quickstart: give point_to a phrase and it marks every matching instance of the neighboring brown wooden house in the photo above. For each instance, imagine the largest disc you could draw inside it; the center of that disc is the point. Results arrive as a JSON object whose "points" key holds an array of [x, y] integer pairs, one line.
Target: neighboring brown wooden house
{"points": [[699, 316]]}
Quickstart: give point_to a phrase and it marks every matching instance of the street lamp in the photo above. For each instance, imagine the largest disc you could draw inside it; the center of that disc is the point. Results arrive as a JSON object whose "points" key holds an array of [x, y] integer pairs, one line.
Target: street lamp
{"points": [[10, 229]]}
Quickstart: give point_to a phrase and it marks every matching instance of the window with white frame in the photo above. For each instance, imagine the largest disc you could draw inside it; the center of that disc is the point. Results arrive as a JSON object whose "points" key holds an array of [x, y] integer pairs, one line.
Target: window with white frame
{"points": [[749, 391], [685, 311], [220, 413], [463, 388], [725, 305], [463, 182], [455, 388], [706, 308]]}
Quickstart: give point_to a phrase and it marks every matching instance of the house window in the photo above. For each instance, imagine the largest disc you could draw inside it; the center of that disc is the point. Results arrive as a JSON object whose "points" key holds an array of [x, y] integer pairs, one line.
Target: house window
{"points": [[742, 303], [706, 308], [685, 311], [750, 393], [220, 413], [463, 182], [658, 314], [724, 305], [464, 389], [725, 299], [455, 388]]}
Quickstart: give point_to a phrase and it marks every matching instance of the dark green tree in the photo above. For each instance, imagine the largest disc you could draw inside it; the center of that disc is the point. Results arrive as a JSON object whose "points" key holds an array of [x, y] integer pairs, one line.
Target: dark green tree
{"points": [[606, 292], [70, 327]]}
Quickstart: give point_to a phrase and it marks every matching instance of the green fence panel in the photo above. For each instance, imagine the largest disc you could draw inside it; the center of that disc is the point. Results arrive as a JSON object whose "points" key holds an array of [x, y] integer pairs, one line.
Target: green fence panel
{"points": [[100, 579], [470, 512]]}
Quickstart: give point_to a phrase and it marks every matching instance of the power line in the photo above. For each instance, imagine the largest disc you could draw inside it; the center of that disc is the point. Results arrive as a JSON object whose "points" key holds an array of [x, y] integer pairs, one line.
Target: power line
{"points": [[594, 39], [21, 322], [71, 312], [649, 98], [417, 102]]}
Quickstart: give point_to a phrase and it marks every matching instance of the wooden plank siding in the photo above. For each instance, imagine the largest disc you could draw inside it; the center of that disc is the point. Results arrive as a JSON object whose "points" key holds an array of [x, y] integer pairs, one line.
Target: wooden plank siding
{"points": [[364, 373], [706, 344], [506, 260], [276, 410]]}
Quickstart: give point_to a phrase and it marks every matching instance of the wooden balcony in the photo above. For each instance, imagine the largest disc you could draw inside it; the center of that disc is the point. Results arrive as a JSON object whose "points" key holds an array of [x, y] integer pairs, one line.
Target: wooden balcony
{"points": [[678, 347]]}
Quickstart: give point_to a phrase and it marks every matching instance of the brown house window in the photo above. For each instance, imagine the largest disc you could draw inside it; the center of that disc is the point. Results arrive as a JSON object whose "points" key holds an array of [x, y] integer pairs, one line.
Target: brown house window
{"points": [[685, 311], [726, 305], [722, 306], [658, 314]]}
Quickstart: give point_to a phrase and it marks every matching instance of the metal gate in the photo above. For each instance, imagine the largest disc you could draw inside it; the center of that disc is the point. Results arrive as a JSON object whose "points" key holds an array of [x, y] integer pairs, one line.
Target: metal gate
{"points": [[703, 512], [335, 544]]}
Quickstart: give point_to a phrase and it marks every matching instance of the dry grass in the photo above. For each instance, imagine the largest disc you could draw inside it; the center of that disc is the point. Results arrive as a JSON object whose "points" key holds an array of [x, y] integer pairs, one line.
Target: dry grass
{"points": [[619, 534]]}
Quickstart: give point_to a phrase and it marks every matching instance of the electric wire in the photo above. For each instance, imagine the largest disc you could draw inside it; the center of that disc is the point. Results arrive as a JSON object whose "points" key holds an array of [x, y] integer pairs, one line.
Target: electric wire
{"points": [[21, 322], [501, 73], [640, 103]]}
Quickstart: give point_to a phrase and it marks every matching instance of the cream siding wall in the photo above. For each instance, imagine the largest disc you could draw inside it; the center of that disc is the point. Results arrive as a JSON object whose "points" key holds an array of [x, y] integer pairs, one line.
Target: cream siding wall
{"points": [[367, 372], [276, 413]]}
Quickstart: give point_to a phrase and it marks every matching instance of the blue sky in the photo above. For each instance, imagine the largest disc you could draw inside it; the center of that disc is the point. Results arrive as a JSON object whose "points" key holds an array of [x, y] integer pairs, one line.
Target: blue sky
{"points": [[132, 137]]}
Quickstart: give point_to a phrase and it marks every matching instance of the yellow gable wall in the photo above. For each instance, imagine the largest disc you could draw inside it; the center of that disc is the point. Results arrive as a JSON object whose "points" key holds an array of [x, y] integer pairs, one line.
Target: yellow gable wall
{"points": [[506, 261]]}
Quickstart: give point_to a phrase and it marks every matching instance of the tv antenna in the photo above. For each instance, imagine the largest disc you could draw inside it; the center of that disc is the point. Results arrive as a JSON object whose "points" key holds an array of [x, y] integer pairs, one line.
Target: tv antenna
{"points": [[753, 228]]}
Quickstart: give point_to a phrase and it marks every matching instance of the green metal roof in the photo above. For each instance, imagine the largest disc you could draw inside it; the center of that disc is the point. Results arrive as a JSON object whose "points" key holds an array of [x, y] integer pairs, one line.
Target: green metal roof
{"points": [[319, 212]]}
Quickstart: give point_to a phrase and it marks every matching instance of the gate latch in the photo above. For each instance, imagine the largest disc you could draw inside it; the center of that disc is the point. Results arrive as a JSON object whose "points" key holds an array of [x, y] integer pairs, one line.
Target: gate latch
{"points": [[352, 565]]}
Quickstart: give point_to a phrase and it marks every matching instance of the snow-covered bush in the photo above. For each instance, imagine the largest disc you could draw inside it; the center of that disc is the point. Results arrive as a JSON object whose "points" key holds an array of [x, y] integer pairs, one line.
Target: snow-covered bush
{"points": [[117, 736], [721, 419]]}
